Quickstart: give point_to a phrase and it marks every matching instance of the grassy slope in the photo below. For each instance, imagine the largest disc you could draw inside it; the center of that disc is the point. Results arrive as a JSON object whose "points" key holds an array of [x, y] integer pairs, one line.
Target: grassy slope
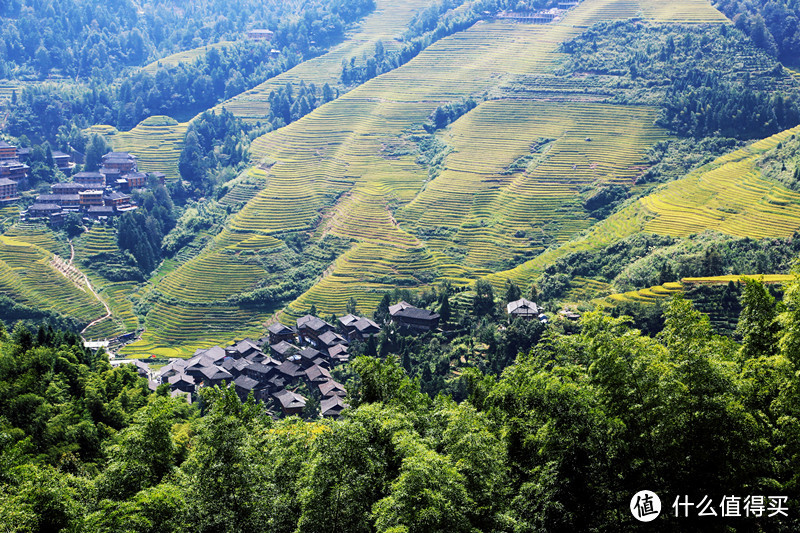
{"points": [[339, 161]]}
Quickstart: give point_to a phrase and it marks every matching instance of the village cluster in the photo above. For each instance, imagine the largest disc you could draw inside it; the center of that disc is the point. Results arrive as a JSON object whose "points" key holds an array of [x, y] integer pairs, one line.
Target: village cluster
{"points": [[97, 195], [272, 368]]}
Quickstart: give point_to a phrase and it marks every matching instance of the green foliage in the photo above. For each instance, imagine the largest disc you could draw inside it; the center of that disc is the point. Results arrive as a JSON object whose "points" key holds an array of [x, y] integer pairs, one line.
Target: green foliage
{"points": [[483, 304], [126, 37], [772, 25], [141, 232], [692, 73], [558, 442], [645, 260], [212, 141], [758, 327]]}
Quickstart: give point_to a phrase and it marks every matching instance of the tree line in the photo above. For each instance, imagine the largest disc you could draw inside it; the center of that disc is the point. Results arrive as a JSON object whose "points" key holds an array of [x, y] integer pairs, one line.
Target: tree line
{"points": [[709, 81], [773, 25], [45, 111], [141, 233], [85, 40]]}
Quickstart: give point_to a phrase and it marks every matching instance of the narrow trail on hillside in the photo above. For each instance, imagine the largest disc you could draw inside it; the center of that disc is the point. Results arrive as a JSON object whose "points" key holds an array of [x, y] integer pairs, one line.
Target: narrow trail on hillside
{"points": [[91, 288]]}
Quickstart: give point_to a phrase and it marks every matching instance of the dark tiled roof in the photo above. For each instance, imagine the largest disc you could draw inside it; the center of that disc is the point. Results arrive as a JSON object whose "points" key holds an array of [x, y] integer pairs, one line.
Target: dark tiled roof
{"points": [[348, 320], [177, 378], [416, 313], [332, 406], [258, 368], [337, 350], [247, 383], [119, 155], [45, 207], [280, 329], [330, 338], [216, 353], [116, 196], [100, 209], [332, 388], [317, 373], [88, 175], [61, 188], [289, 400], [288, 368], [216, 372], [364, 324], [399, 306], [284, 348], [313, 323]]}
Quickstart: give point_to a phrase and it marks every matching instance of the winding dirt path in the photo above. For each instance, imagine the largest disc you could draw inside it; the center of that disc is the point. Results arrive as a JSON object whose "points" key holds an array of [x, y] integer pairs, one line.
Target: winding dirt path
{"points": [[91, 288]]}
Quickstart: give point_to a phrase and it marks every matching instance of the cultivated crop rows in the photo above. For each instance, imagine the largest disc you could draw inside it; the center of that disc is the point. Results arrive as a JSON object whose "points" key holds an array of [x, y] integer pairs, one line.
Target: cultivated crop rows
{"points": [[650, 296], [732, 198], [346, 167], [157, 143], [40, 236], [26, 275]]}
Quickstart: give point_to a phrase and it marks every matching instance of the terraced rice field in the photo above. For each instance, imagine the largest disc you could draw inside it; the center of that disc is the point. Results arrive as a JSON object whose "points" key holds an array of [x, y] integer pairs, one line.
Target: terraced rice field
{"points": [[720, 280], [648, 296], [336, 171], [100, 240], [39, 235], [586, 289], [731, 197], [28, 276], [157, 143], [7, 87], [494, 213], [660, 292], [728, 195], [385, 24], [187, 56]]}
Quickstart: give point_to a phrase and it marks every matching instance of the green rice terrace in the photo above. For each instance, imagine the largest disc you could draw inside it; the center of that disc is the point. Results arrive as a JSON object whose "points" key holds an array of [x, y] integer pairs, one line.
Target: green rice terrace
{"points": [[352, 169], [499, 192], [156, 141]]}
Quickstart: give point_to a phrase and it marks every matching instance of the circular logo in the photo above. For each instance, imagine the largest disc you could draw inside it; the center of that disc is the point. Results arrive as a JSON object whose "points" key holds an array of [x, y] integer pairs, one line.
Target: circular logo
{"points": [[645, 506]]}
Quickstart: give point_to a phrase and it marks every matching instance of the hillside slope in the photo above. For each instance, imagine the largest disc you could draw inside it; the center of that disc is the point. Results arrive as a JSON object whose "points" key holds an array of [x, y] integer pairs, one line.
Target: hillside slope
{"points": [[351, 169], [730, 195]]}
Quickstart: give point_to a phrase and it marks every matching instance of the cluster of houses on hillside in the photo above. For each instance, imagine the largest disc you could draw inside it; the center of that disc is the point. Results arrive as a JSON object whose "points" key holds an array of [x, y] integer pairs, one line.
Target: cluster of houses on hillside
{"points": [[97, 195], [276, 368], [273, 368], [13, 172], [14, 169]]}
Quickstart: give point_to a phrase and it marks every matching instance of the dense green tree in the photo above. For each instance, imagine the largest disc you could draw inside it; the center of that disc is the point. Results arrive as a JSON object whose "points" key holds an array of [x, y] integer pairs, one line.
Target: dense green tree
{"points": [[483, 304], [94, 153], [757, 327]]}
